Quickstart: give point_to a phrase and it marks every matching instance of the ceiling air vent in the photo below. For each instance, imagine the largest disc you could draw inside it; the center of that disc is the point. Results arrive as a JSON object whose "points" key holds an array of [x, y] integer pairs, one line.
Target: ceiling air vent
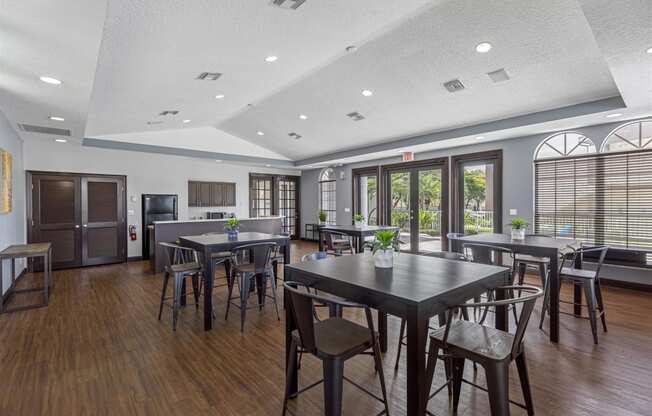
{"points": [[151, 123], [169, 113], [288, 4], [499, 76], [294, 136], [454, 85], [29, 128], [209, 76], [355, 116]]}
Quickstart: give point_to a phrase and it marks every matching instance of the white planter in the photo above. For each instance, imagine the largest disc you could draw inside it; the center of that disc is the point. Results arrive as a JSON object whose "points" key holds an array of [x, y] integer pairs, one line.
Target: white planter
{"points": [[384, 258], [359, 223], [518, 234]]}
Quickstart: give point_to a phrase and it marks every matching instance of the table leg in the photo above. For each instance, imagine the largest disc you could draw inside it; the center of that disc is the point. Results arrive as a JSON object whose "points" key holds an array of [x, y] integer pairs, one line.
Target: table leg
{"points": [[290, 326], [502, 315], [183, 293], [417, 391], [553, 287], [321, 240], [46, 278], [287, 253], [382, 330], [208, 291]]}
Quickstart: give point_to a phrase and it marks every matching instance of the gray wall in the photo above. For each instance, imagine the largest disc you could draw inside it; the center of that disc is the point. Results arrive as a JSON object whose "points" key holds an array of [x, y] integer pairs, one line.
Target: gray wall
{"points": [[12, 225]]}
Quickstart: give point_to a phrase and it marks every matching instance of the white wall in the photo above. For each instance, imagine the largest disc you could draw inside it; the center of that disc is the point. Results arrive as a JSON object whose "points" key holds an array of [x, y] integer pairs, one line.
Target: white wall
{"points": [[146, 174], [12, 225]]}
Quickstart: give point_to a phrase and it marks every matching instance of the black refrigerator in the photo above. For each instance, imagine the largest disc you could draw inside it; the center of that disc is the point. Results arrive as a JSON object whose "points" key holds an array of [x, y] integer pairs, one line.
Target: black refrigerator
{"points": [[157, 208]]}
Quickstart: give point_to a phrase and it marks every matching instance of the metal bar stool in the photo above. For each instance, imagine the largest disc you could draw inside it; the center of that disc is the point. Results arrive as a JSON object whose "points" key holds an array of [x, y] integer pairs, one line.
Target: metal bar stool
{"points": [[337, 243]]}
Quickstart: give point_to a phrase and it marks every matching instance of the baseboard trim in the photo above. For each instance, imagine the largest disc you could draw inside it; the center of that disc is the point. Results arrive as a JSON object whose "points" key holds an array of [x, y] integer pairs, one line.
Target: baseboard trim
{"points": [[134, 258], [10, 290]]}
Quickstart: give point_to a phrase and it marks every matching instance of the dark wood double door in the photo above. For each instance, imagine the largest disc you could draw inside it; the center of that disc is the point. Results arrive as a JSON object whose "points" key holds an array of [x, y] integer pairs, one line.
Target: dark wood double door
{"points": [[83, 216]]}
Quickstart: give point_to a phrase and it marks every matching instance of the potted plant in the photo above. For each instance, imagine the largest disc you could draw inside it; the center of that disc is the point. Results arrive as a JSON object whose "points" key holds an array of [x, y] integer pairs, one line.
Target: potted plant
{"points": [[232, 227], [359, 220], [383, 247], [322, 216], [518, 225]]}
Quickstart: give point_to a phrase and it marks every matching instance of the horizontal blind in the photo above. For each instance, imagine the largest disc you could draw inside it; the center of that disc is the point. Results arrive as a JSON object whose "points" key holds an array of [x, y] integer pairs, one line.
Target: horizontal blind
{"points": [[599, 199]]}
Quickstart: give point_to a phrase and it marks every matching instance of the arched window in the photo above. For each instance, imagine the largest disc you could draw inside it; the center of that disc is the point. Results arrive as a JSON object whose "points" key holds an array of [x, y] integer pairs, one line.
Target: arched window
{"points": [[564, 144], [630, 136], [327, 195]]}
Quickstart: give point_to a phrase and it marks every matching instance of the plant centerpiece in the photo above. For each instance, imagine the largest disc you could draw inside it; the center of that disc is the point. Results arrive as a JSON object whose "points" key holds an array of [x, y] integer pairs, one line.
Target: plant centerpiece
{"points": [[232, 227], [322, 216], [359, 220], [518, 225], [383, 246]]}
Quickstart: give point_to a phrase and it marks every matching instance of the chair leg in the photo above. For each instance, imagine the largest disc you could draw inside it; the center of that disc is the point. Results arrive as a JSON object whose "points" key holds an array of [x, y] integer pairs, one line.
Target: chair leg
{"points": [[589, 292], [290, 370], [546, 302], [458, 373], [400, 343], [431, 364], [522, 267], [166, 278], [543, 274], [598, 295], [378, 361], [195, 289], [498, 386], [521, 365], [333, 386], [178, 288], [245, 285], [230, 282], [272, 277]]}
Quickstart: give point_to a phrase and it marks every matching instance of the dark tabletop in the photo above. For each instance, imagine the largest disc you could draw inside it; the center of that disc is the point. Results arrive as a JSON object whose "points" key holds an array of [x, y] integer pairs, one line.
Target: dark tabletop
{"points": [[529, 241], [243, 238], [413, 279], [358, 229]]}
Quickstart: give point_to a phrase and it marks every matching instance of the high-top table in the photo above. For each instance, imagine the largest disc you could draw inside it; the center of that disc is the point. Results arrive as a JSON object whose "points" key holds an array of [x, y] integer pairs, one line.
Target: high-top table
{"points": [[416, 289], [357, 232], [34, 250], [535, 246], [213, 243]]}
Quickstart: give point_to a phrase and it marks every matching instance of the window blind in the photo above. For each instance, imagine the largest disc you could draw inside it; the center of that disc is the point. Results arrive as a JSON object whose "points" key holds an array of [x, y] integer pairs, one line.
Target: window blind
{"points": [[602, 199]]}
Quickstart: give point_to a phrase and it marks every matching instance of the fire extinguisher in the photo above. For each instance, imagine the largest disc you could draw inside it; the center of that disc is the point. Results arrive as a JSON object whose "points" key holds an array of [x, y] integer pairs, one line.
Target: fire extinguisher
{"points": [[132, 232]]}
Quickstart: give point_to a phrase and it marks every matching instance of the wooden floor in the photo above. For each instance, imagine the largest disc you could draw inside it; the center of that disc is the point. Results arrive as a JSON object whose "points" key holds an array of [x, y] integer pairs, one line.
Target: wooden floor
{"points": [[99, 350]]}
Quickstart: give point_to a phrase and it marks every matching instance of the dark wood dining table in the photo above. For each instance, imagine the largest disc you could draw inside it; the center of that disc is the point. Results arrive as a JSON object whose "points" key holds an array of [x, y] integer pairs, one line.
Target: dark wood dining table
{"points": [[416, 289], [355, 231], [211, 243], [535, 246]]}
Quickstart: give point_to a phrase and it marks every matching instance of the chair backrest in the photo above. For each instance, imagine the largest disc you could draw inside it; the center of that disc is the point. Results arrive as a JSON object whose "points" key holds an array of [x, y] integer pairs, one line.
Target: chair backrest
{"points": [[176, 254], [317, 255], [329, 236], [486, 254], [582, 250], [258, 254], [453, 243]]}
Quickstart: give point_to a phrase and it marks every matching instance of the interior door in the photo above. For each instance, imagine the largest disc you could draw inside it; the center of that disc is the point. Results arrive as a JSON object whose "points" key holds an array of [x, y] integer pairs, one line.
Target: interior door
{"points": [[103, 220], [288, 205], [56, 217]]}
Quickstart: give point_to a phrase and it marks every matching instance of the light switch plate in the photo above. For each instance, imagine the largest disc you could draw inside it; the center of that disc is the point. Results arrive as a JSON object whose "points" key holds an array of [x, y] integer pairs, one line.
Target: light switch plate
{"points": [[133, 198], [347, 209], [513, 211], [130, 212]]}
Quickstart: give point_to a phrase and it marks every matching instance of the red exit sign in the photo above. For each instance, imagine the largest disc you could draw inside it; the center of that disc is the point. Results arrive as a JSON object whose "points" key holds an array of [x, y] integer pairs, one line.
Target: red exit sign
{"points": [[408, 156]]}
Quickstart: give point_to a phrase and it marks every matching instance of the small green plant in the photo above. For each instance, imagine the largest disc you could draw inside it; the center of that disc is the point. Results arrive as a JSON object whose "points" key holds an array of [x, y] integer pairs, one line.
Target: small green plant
{"points": [[232, 224], [358, 218], [384, 240], [322, 215], [518, 223]]}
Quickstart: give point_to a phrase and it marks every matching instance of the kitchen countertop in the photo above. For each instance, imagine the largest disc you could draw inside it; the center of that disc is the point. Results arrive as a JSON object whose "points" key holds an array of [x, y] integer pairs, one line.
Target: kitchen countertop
{"points": [[215, 220]]}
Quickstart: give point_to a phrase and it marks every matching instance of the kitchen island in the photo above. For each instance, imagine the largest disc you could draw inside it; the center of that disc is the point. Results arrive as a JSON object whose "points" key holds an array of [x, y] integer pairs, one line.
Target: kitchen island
{"points": [[170, 231]]}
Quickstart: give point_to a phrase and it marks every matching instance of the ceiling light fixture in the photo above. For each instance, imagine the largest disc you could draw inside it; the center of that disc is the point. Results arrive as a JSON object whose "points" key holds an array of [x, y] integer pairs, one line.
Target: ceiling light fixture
{"points": [[219, 96], [56, 118], [303, 117], [272, 58], [649, 50], [483, 47], [61, 140], [614, 115], [269, 166], [367, 93], [186, 121], [260, 133], [50, 80]]}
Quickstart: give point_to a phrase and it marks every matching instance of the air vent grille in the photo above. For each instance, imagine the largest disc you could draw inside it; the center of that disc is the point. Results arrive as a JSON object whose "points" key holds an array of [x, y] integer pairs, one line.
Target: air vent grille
{"points": [[294, 135], [355, 116], [288, 4], [169, 113], [209, 76], [499, 75], [151, 123], [30, 128], [454, 85]]}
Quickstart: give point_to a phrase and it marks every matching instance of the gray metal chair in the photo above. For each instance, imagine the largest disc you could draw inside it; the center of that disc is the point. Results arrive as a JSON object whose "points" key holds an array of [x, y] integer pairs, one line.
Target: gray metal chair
{"points": [[337, 243], [541, 264], [493, 349], [333, 341], [590, 282], [181, 262], [251, 263]]}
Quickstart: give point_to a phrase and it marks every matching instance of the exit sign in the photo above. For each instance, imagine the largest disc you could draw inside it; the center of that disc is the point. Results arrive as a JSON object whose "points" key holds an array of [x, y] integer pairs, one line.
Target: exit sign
{"points": [[408, 156]]}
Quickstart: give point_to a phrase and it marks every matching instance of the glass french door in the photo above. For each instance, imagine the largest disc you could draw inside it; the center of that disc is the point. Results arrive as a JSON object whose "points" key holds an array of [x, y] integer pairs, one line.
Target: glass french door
{"points": [[416, 202], [288, 205]]}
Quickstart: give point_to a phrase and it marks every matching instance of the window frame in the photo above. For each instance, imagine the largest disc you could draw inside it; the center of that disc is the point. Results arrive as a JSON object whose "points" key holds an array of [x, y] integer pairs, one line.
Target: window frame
{"points": [[330, 219]]}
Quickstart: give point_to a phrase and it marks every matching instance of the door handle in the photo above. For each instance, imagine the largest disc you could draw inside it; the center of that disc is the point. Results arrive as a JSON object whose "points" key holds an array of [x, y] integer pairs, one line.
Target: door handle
{"points": [[85, 225], [76, 225]]}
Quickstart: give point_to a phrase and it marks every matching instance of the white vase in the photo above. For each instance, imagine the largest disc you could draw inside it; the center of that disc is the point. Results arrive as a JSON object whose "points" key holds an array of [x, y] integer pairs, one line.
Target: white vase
{"points": [[518, 234], [384, 258], [359, 223]]}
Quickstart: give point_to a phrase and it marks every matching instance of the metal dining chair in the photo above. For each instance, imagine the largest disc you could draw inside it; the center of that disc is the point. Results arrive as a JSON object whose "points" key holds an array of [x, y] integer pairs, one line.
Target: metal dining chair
{"points": [[181, 263], [337, 243], [491, 348], [333, 341], [590, 282], [541, 264], [251, 263], [219, 258]]}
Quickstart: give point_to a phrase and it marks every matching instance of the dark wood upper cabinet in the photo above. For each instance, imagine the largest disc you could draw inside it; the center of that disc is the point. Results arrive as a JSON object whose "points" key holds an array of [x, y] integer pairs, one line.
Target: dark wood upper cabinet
{"points": [[211, 194]]}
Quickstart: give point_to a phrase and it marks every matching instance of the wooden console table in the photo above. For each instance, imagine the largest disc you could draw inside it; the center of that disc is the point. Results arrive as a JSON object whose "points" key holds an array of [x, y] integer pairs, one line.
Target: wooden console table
{"points": [[28, 251]]}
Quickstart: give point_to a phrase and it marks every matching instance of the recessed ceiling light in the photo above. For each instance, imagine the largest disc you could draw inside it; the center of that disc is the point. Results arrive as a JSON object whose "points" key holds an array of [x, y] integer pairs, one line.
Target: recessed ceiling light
{"points": [[269, 166], [479, 138], [272, 58], [614, 115], [649, 50], [303, 117], [483, 47], [56, 118], [186, 121], [367, 93], [61, 140], [260, 133], [218, 160], [50, 80], [219, 96]]}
